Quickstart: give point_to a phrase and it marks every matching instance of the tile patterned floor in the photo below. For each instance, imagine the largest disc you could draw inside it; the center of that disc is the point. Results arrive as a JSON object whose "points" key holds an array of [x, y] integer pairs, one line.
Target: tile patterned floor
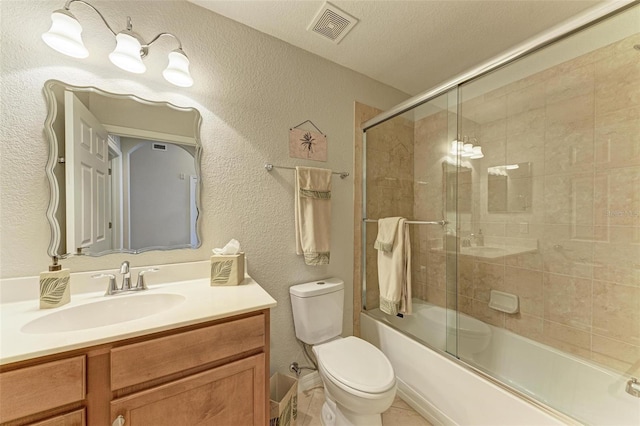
{"points": [[310, 403]]}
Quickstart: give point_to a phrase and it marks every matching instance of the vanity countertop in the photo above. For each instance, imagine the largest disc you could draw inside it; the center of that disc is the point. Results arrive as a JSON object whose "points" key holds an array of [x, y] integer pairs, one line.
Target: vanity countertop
{"points": [[202, 303], [496, 247]]}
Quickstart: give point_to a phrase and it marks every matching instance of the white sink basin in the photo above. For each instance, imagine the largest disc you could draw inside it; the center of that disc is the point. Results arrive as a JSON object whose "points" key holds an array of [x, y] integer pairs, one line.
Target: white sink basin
{"points": [[111, 310], [484, 250]]}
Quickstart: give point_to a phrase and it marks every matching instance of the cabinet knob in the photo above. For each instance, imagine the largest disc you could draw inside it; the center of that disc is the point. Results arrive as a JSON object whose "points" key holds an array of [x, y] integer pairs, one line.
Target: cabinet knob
{"points": [[119, 421]]}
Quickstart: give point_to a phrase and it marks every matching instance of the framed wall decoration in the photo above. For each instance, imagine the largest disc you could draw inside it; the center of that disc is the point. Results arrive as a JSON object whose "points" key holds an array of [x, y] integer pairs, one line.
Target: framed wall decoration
{"points": [[307, 144]]}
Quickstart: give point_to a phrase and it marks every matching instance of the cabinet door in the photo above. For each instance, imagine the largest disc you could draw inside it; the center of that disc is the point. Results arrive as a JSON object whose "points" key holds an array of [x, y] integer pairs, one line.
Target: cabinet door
{"points": [[39, 388], [233, 394], [155, 358], [75, 418]]}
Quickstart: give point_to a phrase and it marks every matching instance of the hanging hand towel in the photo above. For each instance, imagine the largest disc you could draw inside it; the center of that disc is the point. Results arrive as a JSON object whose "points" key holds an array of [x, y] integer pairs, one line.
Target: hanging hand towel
{"points": [[313, 214], [394, 269], [387, 228]]}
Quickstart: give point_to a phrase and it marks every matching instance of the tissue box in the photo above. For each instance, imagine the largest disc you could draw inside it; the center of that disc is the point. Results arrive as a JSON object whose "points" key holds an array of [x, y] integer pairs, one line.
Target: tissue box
{"points": [[227, 269]]}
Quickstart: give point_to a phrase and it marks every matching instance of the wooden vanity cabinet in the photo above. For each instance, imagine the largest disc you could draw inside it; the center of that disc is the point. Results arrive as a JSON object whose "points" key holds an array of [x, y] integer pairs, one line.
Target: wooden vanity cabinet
{"points": [[51, 387], [213, 373], [232, 394], [75, 418]]}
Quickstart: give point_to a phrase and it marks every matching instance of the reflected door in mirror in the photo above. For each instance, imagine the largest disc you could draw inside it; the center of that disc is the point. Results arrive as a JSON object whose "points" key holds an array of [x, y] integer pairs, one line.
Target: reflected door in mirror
{"points": [[87, 175]]}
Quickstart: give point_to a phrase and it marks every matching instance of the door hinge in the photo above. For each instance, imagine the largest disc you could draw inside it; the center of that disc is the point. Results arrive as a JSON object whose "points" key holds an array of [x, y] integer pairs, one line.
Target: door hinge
{"points": [[110, 225], [109, 172]]}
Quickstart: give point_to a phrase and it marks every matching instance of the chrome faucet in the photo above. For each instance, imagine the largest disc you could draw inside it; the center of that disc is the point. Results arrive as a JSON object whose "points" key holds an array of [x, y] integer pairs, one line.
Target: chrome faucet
{"points": [[126, 276], [126, 280], [113, 286], [141, 284], [478, 239]]}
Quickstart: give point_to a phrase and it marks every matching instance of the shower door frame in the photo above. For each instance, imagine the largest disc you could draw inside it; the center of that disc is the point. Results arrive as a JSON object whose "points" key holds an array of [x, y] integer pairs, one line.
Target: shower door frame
{"points": [[580, 22]]}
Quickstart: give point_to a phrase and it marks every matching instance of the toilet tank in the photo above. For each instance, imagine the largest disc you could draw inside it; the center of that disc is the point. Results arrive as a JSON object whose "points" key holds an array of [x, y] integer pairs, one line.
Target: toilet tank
{"points": [[317, 309]]}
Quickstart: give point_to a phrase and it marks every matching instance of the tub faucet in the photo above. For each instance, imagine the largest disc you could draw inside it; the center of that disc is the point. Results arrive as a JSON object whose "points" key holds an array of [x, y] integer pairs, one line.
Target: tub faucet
{"points": [[478, 239], [126, 276]]}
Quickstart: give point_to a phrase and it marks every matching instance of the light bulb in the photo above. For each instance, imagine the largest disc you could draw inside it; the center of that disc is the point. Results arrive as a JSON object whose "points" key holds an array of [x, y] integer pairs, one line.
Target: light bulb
{"points": [[477, 153], [454, 148], [177, 72], [126, 55], [467, 150], [65, 35]]}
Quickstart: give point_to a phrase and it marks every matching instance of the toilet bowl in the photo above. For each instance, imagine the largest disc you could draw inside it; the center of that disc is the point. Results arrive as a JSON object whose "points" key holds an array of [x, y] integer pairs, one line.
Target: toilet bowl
{"points": [[358, 379]]}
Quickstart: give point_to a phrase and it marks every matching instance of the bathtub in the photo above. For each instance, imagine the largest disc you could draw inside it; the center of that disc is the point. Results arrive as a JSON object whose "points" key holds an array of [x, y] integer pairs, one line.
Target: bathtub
{"points": [[449, 392]]}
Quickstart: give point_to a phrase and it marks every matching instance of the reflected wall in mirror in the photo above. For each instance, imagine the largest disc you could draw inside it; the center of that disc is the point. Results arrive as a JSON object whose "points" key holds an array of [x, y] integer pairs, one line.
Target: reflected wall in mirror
{"points": [[510, 188], [457, 187], [124, 172]]}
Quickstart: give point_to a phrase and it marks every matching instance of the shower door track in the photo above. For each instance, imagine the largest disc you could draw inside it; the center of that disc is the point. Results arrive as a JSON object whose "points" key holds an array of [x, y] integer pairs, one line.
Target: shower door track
{"points": [[580, 22]]}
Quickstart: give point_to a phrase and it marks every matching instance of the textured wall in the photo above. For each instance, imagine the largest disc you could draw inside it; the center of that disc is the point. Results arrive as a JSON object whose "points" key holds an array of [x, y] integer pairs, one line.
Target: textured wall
{"points": [[250, 88]]}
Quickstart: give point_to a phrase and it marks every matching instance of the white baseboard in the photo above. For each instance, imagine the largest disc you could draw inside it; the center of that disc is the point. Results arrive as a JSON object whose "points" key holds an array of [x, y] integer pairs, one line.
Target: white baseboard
{"points": [[309, 381], [422, 406]]}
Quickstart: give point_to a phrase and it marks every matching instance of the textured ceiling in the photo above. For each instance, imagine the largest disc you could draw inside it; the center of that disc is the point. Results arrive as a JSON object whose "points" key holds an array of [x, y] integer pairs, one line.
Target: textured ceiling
{"points": [[409, 45]]}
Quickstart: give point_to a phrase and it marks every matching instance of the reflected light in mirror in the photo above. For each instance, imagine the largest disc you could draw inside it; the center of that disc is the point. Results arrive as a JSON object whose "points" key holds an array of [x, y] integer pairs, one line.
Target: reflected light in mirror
{"points": [[466, 150], [477, 153]]}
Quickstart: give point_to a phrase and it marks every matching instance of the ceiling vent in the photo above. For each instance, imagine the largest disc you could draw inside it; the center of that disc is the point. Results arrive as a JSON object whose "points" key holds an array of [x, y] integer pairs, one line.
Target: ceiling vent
{"points": [[332, 23]]}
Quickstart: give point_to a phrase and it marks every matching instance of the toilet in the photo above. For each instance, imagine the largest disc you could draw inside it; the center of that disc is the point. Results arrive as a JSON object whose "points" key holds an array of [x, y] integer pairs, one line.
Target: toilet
{"points": [[359, 381]]}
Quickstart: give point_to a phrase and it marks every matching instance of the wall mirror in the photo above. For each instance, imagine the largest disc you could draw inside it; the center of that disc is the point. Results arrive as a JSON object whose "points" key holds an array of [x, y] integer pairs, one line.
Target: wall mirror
{"points": [[124, 172], [510, 188], [457, 188]]}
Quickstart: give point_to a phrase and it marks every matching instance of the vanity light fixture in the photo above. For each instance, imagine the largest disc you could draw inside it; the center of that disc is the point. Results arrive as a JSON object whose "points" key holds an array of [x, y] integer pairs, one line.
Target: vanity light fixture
{"points": [[466, 149], [65, 37]]}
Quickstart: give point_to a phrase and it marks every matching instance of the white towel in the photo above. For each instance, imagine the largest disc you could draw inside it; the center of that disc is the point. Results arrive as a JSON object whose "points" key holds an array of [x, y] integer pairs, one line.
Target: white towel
{"points": [[387, 230], [394, 271], [313, 214]]}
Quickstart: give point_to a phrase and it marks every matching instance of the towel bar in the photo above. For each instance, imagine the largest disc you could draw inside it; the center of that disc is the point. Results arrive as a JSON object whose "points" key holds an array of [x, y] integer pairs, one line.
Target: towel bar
{"points": [[270, 167], [413, 222]]}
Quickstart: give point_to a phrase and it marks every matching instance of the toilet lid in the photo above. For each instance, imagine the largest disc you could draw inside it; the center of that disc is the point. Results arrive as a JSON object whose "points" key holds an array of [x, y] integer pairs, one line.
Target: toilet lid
{"points": [[357, 364]]}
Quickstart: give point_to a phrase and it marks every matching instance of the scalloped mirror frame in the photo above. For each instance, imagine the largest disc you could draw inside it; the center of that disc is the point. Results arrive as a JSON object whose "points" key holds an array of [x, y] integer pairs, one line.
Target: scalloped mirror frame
{"points": [[52, 162]]}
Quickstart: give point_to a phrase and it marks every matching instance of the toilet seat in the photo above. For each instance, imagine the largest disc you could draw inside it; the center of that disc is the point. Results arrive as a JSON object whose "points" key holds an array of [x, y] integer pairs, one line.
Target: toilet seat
{"points": [[355, 364]]}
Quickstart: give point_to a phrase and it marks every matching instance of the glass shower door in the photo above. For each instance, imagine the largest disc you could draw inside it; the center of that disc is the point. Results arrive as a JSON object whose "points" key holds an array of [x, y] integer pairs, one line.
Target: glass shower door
{"points": [[556, 198], [411, 172]]}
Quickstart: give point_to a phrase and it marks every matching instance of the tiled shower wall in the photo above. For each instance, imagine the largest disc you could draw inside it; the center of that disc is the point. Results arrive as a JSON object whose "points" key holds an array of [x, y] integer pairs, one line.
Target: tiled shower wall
{"points": [[431, 149], [389, 190], [578, 123]]}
